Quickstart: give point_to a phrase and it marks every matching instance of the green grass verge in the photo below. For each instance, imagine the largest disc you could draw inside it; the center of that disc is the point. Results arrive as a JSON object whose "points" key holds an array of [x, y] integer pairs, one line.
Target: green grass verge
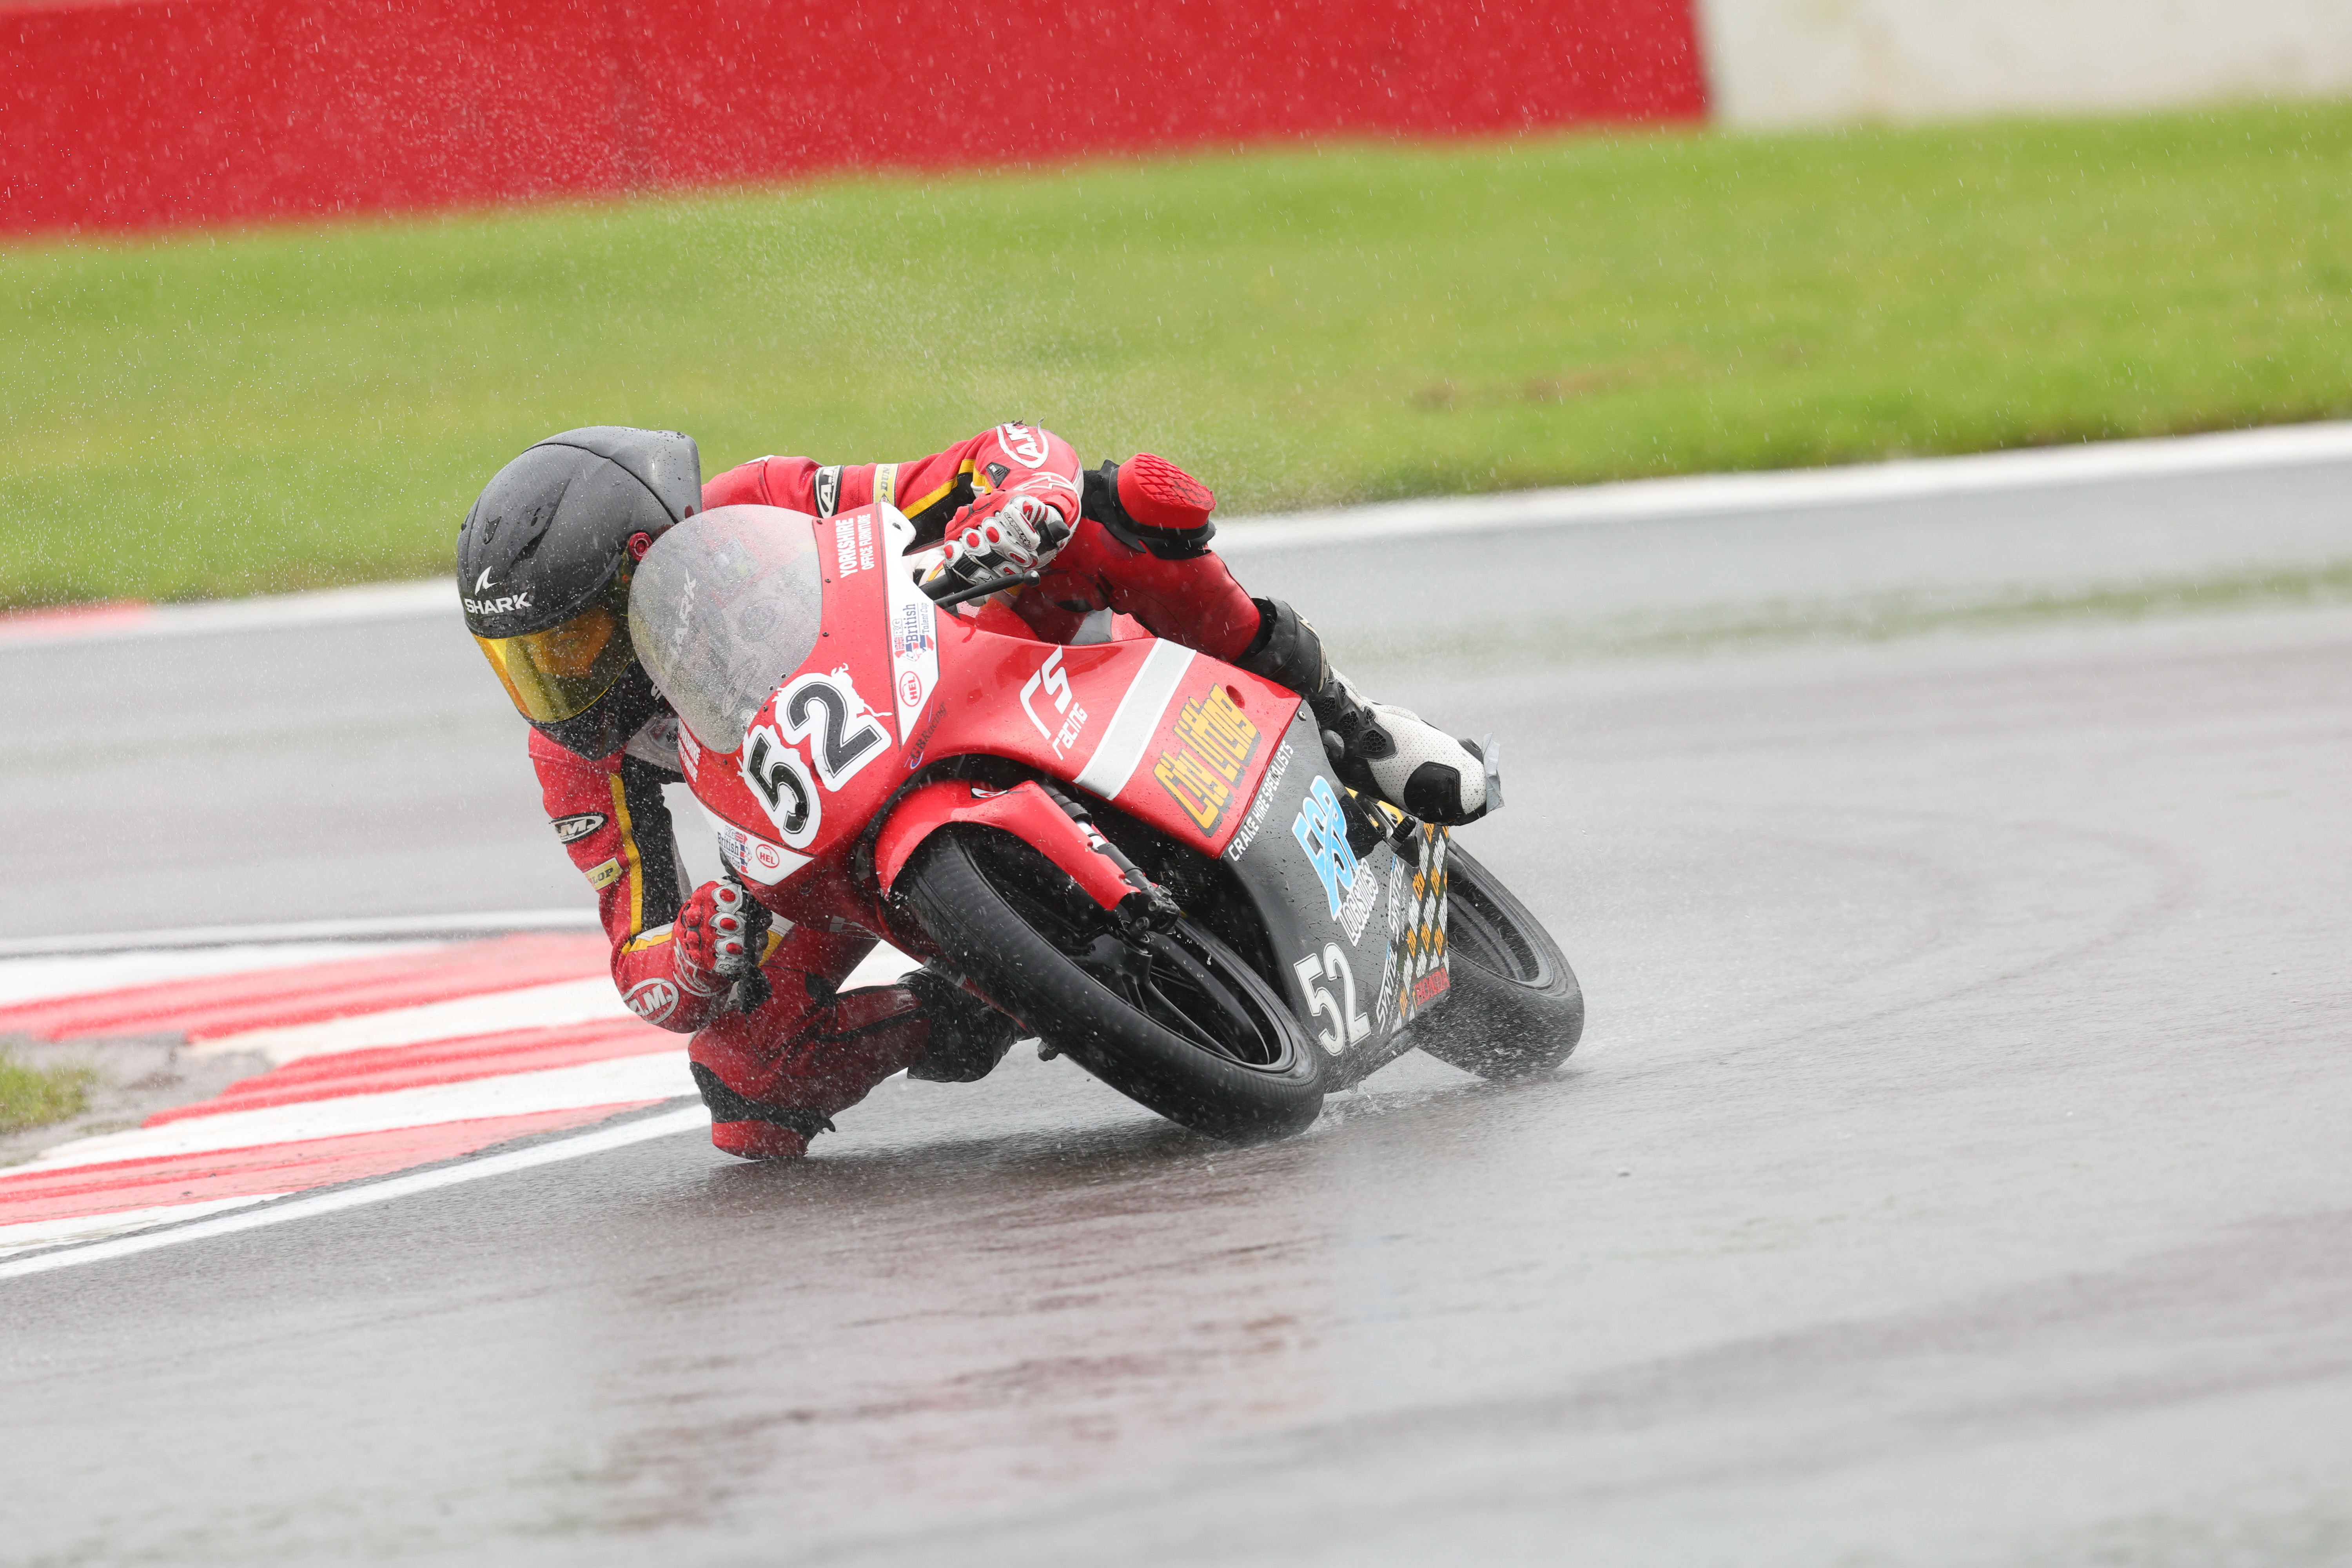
{"points": [[36, 1095], [242, 411]]}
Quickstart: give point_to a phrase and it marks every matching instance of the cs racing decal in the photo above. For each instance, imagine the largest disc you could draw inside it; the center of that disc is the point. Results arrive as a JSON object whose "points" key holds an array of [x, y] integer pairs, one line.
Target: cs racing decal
{"points": [[1053, 682]]}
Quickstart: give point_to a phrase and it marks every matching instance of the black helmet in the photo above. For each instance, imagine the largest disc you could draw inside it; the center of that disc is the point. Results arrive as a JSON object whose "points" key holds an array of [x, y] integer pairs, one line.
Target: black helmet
{"points": [[543, 566]]}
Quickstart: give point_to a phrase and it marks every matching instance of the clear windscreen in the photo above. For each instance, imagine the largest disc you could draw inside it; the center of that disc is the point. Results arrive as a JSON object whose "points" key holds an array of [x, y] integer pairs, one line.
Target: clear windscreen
{"points": [[723, 607]]}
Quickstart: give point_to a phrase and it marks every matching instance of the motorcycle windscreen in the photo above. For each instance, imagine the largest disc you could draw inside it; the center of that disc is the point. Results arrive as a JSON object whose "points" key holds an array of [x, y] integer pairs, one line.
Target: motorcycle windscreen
{"points": [[723, 607]]}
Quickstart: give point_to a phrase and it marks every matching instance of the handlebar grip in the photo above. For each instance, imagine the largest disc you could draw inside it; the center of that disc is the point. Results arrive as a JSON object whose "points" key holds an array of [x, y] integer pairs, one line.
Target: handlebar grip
{"points": [[945, 590]]}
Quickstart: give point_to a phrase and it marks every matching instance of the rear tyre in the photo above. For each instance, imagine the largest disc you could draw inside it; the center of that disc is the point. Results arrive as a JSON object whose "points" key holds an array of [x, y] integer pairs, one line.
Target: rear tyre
{"points": [[1179, 1023], [1513, 1009]]}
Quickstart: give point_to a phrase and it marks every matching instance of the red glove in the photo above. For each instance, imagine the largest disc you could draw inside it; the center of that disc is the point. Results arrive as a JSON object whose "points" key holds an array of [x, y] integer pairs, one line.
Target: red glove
{"points": [[719, 938], [1004, 534]]}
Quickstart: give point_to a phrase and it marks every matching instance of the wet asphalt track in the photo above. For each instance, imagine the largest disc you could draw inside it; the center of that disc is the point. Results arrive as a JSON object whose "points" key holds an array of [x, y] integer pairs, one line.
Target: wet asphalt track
{"points": [[1956, 1171]]}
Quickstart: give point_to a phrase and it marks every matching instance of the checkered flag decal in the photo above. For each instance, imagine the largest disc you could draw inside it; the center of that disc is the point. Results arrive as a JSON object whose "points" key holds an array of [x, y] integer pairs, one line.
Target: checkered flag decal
{"points": [[1415, 974]]}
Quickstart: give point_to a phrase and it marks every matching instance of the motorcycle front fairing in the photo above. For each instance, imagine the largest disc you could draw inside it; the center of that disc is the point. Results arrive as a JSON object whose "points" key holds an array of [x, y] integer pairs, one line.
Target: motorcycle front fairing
{"points": [[809, 645]]}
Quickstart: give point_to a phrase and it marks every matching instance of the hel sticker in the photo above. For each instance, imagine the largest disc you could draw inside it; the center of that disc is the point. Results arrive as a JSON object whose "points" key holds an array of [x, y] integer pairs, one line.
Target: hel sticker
{"points": [[572, 829], [605, 876], [652, 1000], [754, 859], [1322, 832], [1214, 742]]}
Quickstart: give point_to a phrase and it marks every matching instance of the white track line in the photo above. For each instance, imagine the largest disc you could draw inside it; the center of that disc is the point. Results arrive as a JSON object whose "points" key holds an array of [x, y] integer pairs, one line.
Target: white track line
{"points": [[83, 1229], [589, 1001], [370, 602], [659, 1125], [38, 979], [616, 1080], [392, 928], [2279, 446]]}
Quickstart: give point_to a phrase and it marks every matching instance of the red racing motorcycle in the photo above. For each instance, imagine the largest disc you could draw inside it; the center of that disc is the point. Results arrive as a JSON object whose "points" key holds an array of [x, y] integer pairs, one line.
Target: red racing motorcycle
{"points": [[1135, 849]]}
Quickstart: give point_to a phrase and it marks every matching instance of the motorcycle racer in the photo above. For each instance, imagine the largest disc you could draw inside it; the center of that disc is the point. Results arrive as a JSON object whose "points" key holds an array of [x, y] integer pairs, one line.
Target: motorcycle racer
{"points": [[545, 558]]}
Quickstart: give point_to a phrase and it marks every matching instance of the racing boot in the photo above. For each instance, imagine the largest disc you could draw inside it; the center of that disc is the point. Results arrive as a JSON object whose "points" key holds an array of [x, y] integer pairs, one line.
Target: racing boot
{"points": [[1377, 747], [768, 1100]]}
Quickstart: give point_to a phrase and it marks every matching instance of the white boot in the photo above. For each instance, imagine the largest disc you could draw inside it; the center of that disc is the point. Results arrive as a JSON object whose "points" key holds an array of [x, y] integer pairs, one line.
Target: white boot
{"points": [[1393, 752]]}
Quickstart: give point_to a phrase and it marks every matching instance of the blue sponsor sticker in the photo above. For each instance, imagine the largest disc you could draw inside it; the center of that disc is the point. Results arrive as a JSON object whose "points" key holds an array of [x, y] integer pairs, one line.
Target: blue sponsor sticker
{"points": [[1322, 832]]}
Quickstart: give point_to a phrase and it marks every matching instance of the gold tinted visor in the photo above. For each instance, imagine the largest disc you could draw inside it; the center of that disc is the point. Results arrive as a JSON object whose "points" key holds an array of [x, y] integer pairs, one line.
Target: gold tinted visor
{"points": [[560, 672]]}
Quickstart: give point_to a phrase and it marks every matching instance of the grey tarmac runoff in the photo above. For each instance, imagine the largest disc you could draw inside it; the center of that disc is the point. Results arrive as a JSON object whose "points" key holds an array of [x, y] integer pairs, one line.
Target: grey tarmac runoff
{"points": [[1954, 1172]]}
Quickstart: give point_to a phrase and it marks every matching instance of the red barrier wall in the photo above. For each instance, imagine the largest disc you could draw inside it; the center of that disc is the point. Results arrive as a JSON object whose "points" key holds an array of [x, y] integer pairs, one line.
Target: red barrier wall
{"points": [[118, 115]]}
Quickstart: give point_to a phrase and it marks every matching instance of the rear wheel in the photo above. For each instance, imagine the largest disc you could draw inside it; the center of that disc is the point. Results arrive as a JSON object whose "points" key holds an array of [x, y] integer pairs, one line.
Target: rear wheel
{"points": [[1176, 1022], [1514, 1008]]}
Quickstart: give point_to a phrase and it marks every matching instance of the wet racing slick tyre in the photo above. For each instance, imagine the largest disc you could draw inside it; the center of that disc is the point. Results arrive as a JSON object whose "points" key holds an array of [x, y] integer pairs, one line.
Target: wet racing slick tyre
{"points": [[1514, 1009], [1179, 1024]]}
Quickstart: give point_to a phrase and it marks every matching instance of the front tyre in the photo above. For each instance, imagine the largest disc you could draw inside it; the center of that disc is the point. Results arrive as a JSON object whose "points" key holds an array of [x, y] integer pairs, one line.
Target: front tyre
{"points": [[1177, 1023], [1514, 1009]]}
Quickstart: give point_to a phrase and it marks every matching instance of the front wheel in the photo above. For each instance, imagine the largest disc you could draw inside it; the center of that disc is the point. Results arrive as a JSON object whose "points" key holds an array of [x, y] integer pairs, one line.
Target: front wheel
{"points": [[1515, 1009], [1177, 1022]]}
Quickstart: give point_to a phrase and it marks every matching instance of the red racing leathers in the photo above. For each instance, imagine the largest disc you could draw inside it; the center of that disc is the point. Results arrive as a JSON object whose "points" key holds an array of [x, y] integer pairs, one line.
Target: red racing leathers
{"points": [[775, 1075]]}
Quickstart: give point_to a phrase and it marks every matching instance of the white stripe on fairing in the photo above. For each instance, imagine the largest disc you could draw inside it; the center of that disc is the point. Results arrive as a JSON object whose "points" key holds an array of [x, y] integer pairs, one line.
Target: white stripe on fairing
{"points": [[638, 1132], [618, 1081], [1137, 720], [533, 1006], [88, 1228]]}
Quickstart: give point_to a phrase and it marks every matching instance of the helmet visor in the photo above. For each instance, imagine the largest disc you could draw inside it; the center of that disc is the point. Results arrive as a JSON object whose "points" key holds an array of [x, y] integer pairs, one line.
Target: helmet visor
{"points": [[560, 672]]}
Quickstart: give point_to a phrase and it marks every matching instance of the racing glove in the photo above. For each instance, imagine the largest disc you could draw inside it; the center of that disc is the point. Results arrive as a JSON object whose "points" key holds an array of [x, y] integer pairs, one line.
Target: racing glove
{"points": [[719, 938], [1004, 535]]}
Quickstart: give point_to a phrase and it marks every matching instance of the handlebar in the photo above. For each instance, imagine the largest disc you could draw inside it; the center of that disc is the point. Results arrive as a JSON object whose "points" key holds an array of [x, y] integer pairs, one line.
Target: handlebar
{"points": [[944, 592]]}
